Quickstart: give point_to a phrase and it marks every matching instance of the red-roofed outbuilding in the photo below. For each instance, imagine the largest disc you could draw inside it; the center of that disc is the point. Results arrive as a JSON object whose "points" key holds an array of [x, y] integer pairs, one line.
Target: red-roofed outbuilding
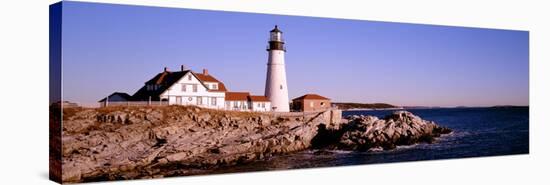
{"points": [[310, 103]]}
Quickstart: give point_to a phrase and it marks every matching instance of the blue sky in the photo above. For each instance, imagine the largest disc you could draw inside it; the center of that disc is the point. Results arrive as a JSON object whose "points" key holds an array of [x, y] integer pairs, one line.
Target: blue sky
{"points": [[109, 48]]}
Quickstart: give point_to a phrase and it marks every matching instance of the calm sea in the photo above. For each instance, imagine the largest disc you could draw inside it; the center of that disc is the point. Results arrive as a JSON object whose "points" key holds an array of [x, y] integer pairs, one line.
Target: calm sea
{"points": [[477, 132]]}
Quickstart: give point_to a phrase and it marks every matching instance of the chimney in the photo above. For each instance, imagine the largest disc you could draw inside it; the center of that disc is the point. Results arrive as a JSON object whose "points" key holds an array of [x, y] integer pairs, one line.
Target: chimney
{"points": [[165, 69], [183, 68], [205, 71]]}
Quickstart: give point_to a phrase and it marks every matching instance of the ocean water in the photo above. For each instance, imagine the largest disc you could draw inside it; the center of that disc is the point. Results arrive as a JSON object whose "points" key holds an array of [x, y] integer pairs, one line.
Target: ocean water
{"points": [[477, 132]]}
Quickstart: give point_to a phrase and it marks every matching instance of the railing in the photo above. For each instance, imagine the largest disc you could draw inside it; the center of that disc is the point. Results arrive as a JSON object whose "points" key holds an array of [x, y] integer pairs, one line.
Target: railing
{"points": [[268, 48], [133, 103]]}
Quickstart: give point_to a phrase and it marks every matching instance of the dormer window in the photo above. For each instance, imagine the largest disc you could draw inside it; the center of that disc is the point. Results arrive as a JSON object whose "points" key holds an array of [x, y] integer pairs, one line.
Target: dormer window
{"points": [[215, 86]]}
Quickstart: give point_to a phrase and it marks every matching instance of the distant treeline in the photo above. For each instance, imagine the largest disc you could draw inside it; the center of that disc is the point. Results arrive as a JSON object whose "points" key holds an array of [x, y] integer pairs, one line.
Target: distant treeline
{"points": [[363, 105]]}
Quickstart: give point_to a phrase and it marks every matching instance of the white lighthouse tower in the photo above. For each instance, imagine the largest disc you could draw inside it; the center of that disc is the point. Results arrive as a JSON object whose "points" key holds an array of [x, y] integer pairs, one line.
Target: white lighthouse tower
{"points": [[276, 89]]}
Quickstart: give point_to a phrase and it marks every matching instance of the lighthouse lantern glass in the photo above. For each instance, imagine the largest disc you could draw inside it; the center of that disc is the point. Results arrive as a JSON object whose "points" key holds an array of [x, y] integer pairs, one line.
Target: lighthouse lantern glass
{"points": [[275, 36]]}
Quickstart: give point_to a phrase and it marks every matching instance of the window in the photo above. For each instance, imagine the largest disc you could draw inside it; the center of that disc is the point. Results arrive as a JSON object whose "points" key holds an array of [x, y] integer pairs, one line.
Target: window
{"points": [[194, 87], [199, 100], [183, 87], [322, 104], [281, 86], [213, 101], [263, 105], [310, 104], [189, 77], [214, 86]]}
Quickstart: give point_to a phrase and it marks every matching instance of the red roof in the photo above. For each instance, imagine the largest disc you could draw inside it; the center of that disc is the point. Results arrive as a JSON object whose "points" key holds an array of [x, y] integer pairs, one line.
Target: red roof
{"points": [[210, 78], [206, 78], [236, 96], [258, 98], [311, 97]]}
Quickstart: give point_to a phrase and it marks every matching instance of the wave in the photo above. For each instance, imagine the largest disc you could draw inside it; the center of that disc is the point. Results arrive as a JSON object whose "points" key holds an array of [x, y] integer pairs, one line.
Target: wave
{"points": [[402, 147], [313, 151]]}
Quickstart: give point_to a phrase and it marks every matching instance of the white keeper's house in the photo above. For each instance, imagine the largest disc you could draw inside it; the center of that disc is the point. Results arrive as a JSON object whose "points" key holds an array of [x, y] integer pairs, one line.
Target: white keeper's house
{"points": [[185, 87]]}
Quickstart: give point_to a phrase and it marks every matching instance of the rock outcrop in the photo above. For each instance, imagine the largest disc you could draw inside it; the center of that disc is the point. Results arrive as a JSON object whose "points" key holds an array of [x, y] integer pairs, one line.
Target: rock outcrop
{"points": [[400, 128]]}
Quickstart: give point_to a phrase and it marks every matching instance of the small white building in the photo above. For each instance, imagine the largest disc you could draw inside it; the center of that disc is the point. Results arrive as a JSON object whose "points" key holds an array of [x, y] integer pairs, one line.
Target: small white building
{"points": [[260, 103], [243, 101], [237, 101]]}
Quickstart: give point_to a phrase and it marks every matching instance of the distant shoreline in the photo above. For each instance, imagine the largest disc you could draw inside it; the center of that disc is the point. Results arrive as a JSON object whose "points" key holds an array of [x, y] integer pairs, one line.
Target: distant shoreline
{"points": [[364, 106], [366, 109], [422, 107]]}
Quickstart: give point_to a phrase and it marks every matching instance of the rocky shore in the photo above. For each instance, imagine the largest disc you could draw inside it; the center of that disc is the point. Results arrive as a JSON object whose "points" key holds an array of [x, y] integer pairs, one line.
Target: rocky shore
{"points": [[147, 142], [364, 133]]}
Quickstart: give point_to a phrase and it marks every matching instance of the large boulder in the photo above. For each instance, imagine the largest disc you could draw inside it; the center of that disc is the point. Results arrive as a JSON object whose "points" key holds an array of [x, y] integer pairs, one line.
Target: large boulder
{"points": [[400, 128]]}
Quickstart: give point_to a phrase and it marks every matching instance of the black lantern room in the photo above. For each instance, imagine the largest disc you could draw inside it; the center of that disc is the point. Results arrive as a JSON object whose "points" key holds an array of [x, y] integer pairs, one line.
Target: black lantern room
{"points": [[276, 41]]}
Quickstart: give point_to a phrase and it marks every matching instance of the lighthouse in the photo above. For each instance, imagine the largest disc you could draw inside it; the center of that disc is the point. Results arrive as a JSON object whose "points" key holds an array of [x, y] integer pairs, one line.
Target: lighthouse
{"points": [[276, 89]]}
